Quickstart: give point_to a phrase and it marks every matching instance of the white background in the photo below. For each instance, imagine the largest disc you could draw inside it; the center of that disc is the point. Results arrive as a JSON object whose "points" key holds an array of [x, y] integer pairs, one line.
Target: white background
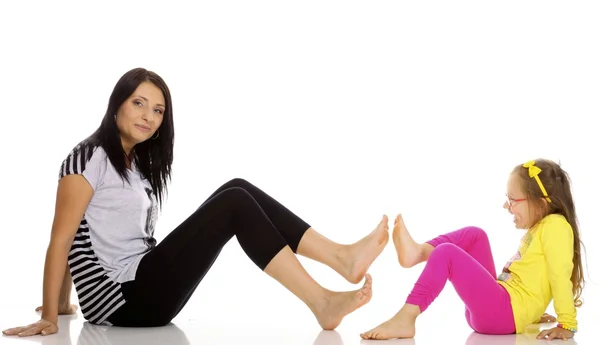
{"points": [[342, 110]]}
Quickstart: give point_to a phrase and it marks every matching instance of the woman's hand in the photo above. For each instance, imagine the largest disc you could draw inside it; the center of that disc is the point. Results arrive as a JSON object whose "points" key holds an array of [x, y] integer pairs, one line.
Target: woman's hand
{"points": [[62, 310], [555, 333], [43, 327]]}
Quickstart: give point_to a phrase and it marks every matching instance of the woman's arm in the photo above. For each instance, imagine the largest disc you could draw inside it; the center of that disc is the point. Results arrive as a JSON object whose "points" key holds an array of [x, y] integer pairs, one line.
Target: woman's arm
{"points": [[72, 198], [73, 195], [65, 291], [64, 301]]}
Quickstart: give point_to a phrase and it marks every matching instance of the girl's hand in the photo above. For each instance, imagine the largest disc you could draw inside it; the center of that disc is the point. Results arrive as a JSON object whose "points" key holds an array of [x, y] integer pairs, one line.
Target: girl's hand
{"points": [[555, 333], [547, 318], [43, 327]]}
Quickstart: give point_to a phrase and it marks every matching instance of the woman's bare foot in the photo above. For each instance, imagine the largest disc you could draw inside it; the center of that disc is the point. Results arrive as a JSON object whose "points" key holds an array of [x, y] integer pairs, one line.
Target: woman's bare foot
{"points": [[409, 252], [402, 325], [358, 257], [337, 305], [328, 337]]}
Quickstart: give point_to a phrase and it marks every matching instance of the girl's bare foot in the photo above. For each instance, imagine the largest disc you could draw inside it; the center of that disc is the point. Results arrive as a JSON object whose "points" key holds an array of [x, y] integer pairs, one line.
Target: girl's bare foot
{"points": [[409, 252], [358, 257], [337, 305], [402, 325]]}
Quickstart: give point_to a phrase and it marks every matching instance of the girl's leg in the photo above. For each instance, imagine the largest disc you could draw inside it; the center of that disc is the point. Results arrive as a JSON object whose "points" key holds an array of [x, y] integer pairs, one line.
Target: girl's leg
{"points": [[169, 274], [487, 301], [350, 261], [472, 240]]}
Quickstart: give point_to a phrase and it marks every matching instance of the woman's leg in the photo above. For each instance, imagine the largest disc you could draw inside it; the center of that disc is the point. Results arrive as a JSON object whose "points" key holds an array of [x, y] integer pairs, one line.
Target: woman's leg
{"points": [[168, 275], [487, 301], [351, 261]]}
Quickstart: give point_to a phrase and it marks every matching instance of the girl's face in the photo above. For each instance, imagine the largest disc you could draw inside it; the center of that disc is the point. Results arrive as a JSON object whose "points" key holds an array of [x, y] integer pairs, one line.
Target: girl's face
{"points": [[517, 203]]}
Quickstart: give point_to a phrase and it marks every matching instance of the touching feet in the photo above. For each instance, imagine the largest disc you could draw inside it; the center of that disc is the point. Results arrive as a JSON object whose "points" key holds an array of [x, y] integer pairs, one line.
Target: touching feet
{"points": [[358, 257], [402, 325], [352, 262], [332, 309], [409, 252]]}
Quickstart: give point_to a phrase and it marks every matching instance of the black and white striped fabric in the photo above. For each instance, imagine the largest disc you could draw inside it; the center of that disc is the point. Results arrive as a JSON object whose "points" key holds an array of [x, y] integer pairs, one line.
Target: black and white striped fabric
{"points": [[114, 234]]}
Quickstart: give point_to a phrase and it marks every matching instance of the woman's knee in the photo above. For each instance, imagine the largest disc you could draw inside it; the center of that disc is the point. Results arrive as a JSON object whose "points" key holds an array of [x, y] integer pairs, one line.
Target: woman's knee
{"points": [[237, 182], [237, 196], [236, 191]]}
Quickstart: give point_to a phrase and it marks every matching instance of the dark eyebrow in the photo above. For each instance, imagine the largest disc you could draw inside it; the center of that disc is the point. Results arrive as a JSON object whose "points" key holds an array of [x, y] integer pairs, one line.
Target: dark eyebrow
{"points": [[146, 99]]}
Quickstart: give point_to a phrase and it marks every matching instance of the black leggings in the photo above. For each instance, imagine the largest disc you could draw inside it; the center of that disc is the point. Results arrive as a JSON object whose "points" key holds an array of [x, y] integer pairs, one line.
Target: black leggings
{"points": [[168, 275]]}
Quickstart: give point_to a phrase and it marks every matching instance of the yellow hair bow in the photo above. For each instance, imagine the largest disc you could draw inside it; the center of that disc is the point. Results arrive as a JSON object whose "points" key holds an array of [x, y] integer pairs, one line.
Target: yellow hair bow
{"points": [[534, 171]]}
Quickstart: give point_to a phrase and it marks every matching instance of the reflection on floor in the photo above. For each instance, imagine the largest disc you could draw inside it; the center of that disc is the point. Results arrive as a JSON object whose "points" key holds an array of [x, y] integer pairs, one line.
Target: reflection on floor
{"points": [[75, 330]]}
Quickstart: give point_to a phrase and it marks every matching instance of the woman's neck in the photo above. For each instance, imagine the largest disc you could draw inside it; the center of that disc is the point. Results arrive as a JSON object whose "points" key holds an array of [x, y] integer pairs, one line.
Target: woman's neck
{"points": [[128, 160]]}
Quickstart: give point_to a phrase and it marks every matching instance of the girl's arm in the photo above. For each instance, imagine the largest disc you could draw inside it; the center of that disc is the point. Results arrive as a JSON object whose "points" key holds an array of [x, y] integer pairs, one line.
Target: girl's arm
{"points": [[557, 244]]}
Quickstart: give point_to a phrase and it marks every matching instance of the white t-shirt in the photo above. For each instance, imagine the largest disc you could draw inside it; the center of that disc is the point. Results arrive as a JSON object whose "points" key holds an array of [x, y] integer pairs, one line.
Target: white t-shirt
{"points": [[116, 231]]}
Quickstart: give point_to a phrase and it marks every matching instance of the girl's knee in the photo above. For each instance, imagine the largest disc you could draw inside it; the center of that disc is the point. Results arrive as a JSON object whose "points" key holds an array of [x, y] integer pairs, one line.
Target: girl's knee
{"points": [[444, 249], [444, 255], [477, 232]]}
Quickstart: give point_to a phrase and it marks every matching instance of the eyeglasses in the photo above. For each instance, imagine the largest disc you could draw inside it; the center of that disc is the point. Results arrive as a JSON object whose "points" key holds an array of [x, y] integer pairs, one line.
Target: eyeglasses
{"points": [[510, 201]]}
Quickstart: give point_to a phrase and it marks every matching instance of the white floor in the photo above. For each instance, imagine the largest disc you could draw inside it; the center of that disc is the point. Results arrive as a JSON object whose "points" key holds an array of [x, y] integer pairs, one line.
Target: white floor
{"points": [[184, 330], [236, 303]]}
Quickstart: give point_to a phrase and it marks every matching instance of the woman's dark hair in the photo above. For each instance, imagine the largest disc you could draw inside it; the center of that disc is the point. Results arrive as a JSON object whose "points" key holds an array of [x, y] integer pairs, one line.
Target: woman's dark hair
{"points": [[153, 157]]}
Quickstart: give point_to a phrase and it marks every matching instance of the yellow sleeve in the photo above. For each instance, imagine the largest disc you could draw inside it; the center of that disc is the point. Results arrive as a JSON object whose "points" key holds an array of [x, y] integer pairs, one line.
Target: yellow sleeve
{"points": [[557, 244]]}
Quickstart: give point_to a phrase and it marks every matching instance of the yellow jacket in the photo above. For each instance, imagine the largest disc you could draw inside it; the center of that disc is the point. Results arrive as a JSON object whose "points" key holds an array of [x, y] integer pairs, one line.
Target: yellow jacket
{"points": [[540, 272]]}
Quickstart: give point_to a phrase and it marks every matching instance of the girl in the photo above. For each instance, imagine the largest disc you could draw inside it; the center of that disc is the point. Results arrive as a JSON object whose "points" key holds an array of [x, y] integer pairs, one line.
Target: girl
{"points": [[102, 237], [546, 266]]}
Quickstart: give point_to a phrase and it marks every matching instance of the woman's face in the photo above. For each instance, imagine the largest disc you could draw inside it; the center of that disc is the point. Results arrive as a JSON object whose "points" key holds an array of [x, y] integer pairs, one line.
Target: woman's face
{"points": [[140, 116]]}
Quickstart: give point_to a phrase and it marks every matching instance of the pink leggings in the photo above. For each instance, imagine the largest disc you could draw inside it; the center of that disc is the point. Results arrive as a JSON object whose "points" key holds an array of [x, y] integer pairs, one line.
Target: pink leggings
{"points": [[465, 259]]}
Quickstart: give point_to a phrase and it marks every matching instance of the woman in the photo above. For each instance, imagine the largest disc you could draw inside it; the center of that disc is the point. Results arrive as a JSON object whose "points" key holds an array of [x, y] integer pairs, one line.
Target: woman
{"points": [[109, 190]]}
